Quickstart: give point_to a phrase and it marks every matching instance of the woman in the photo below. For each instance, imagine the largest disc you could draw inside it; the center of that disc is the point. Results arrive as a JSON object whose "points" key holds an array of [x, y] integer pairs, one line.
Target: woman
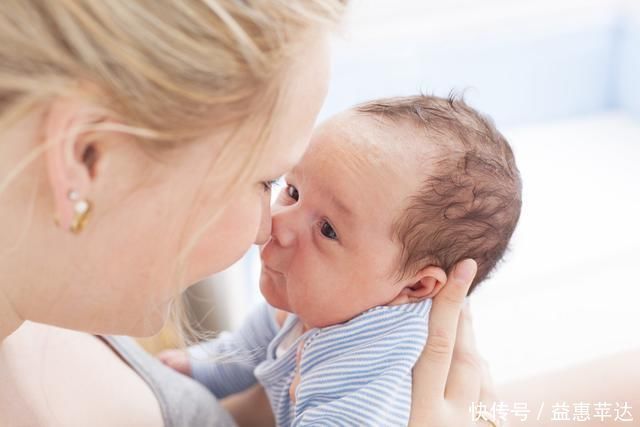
{"points": [[138, 144]]}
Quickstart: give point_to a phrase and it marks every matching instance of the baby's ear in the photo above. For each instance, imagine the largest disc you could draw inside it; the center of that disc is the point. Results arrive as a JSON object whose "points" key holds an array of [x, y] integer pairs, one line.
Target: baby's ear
{"points": [[426, 283]]}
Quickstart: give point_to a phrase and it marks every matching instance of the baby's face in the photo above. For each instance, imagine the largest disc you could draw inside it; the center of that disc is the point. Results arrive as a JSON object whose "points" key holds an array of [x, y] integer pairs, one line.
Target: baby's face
{"points": [[332, 254]]}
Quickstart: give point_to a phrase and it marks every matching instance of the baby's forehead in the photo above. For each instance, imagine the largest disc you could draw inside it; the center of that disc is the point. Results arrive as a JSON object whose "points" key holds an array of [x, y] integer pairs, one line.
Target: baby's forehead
{"points": [[375, 164], [380, 141]]}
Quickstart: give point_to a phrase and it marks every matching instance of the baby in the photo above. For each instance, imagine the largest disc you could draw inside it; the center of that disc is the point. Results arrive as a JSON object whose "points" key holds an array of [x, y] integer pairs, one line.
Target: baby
{"points": [[389, 196]]}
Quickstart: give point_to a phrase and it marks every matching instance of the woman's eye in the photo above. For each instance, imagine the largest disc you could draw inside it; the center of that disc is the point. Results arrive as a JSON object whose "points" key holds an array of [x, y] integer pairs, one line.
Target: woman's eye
{"points": [[327, 231], [293, 192]]}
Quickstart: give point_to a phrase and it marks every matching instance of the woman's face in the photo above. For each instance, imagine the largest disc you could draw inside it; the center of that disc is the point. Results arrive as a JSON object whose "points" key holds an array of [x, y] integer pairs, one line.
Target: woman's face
{"points": [[119, 274], [243, 216]]}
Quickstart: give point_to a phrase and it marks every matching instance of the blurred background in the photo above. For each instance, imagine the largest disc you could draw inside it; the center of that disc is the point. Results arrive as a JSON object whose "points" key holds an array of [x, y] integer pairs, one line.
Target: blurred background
{"points": [[560, 78]]}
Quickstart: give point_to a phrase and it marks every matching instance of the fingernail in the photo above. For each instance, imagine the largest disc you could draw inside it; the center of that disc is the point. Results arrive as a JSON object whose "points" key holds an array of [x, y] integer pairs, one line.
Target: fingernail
{"points": [[466, 270]]}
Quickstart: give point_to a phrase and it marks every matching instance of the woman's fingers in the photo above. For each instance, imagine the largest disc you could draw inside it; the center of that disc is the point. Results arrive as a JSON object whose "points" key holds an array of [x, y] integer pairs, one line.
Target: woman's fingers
{"points": [[465, 375], [435, 361]]}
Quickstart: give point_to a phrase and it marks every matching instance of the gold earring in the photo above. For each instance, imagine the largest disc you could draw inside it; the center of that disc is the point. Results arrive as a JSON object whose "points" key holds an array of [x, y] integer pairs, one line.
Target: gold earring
{"points": [[81, 210]]}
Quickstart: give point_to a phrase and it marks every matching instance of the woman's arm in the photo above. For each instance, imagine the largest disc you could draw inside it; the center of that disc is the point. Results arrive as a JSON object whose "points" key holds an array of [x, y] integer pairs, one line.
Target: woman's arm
{"points": [[448, 377]]}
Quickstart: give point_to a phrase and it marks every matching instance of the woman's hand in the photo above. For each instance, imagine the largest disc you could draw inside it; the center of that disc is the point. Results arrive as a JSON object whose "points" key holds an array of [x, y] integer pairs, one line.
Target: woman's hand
{"points": [[448, 378]]}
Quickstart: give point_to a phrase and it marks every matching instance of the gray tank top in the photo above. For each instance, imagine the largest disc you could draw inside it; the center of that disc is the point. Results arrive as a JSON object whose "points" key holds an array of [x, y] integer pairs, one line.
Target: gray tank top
{"points": [[183, 402]]}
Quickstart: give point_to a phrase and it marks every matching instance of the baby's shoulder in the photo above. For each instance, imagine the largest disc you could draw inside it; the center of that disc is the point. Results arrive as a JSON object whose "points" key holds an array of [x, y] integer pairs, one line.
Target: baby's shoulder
{"points": [[377, 336], [379, 325]]}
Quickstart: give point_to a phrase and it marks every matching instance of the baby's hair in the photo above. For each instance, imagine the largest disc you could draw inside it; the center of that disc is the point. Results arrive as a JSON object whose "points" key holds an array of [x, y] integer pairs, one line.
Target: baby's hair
{"points": [[470, 199]]}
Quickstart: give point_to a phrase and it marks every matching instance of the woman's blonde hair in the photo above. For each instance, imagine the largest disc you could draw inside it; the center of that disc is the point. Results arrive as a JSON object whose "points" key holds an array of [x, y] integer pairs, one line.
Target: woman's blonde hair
{"points": [[167, 66], [167, 70]]}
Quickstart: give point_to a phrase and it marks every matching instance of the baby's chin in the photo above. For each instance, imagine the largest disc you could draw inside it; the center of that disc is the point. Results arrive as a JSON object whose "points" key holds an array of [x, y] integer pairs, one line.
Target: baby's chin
{"points": [[274, 293]]}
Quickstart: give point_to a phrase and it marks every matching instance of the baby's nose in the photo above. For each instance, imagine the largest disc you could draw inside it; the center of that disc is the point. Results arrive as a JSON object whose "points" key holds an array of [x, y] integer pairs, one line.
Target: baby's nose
{"points": [[284, 236], [282, 230]]}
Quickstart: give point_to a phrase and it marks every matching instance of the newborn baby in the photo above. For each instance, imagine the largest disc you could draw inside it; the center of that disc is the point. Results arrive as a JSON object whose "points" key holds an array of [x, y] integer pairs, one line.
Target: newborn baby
{"points": [[389, 196]]}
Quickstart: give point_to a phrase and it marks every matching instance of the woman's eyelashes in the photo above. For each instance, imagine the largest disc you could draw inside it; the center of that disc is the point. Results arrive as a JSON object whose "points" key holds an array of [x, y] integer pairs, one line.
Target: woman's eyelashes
{"points": [[268, 185]]}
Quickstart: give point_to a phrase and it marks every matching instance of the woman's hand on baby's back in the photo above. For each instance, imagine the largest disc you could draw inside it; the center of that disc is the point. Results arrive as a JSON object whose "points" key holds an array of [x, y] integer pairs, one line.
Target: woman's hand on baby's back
{"points": [[177, 360]]}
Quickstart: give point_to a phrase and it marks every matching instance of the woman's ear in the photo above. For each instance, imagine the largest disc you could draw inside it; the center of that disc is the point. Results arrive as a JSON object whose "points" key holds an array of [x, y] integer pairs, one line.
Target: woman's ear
{"points": [[424, 284], [71, 157]]}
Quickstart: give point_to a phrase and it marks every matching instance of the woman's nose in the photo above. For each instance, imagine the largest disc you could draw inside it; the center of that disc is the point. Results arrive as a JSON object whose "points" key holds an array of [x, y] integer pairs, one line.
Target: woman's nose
{"points": [[264, 230]]}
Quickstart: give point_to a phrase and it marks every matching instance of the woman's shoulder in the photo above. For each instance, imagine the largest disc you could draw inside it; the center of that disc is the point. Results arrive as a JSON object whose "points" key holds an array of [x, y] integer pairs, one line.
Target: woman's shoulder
{"points": [[73, 378], [182, 400]]}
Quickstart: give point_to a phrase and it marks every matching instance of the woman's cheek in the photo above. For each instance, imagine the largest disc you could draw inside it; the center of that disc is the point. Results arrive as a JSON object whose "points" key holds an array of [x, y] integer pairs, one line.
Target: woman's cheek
{"points": [[226, 240]]}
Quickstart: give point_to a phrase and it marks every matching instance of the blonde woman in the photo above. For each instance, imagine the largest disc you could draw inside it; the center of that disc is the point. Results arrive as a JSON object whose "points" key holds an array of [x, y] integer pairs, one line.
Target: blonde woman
{"points": [[138, 143]]}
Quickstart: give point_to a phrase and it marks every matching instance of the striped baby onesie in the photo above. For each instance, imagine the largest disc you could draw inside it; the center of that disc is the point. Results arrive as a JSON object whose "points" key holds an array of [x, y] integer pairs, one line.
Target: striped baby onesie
{"points": [[357, 373]]}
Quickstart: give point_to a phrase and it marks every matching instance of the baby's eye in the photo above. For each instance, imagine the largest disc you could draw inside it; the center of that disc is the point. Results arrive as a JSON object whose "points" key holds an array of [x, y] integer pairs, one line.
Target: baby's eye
{"points": [[327, 231], [293, 192]]}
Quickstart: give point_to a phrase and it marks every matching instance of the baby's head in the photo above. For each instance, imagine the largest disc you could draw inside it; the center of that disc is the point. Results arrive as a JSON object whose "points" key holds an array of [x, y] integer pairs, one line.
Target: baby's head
{"points": [[389, 196]]}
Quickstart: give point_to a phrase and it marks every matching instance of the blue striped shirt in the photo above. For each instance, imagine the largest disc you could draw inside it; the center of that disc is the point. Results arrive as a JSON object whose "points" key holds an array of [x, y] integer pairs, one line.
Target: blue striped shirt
{"points": [[357, 373]]}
